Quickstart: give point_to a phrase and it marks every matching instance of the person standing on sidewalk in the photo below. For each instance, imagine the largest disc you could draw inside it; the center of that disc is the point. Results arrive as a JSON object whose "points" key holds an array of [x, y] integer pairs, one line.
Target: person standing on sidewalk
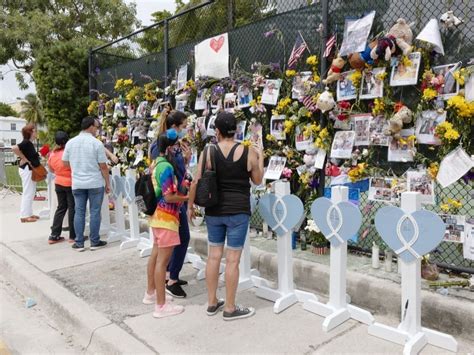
{"points": [[164, 225], [62, 182], [235, 165], [181, 154], [85, 154], [29, 159]]}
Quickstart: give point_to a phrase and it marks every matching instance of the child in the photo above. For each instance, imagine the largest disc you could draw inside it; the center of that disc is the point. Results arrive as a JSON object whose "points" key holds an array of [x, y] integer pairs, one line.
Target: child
{"points": [[165, 226]]}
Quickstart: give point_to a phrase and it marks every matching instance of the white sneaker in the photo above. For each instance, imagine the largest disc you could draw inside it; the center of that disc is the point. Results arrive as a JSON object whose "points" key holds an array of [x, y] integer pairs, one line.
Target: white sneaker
{"points": [[167, 310], [151, 299]]}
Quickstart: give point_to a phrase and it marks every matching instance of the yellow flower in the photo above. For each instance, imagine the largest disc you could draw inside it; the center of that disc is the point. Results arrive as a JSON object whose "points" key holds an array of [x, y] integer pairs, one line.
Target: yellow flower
{"points": [[382, 76], [355, 78], [411, 138], [406, 62], [305, 178], [319, 143], [429, 94], [288, 124], [133, 94], [379, 106], [290, 154], [324, 133], [316, 78], [358, 172], [246, 143], [290, 73], [451, 135], [444, 207], [459, 76], [253, 103], [93, 107], [123, 130], [312, 60], [283, 104], [463, 108], [270, 138], [433, 170]]}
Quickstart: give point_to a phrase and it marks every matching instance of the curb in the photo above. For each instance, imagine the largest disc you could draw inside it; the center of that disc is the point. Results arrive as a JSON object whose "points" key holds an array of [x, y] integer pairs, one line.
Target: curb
{"points": [[90, 328], [380, 296]]}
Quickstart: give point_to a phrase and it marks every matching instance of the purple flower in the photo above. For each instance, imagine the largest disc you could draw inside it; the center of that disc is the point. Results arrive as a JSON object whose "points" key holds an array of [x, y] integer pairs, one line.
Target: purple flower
{"points": [[275, 66], [269, 33], [314, 183]]}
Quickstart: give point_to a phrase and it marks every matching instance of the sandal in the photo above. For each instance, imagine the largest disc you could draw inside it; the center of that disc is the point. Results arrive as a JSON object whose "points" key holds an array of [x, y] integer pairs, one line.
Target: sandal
{"points": [[28, 220], [35, 217], [54, 240]]}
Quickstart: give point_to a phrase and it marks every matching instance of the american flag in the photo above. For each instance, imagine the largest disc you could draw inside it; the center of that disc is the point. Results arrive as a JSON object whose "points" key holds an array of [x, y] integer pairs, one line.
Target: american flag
{"points": [[297, 51], [329, 45], [309, 103]]}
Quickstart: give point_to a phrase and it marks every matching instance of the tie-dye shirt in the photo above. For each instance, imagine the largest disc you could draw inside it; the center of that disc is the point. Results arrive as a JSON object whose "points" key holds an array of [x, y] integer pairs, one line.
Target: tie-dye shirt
{"points": [[164, 180]]}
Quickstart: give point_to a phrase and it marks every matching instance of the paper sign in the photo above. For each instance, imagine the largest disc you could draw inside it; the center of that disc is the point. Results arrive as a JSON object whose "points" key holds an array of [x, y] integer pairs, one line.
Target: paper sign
{"points": [[455, 228], [420, 181], [138, 158], [355, 34], [275, 168], [430, 33], [426, 126], [320, 158], [212, 57], [453, 167], [468, 247], [182, 77], [361, 127]]}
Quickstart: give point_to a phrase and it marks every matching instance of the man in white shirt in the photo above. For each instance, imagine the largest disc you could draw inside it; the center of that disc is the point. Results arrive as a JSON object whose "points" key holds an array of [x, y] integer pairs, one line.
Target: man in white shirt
{"points": [[86, 156]]}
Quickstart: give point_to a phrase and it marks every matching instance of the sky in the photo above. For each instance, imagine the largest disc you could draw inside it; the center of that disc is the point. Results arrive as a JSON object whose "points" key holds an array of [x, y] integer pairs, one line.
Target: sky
{"points": [[9, 90]]}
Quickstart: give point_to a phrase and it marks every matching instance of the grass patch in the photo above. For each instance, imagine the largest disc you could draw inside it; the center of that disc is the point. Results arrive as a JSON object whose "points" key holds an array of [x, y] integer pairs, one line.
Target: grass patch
{"points": [[14, 180]]}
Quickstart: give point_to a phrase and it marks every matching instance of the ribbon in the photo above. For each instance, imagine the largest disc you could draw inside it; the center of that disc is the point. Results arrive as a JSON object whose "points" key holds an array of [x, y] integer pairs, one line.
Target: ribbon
{"points": [[407, 245], [334, 231], [279, 224]]}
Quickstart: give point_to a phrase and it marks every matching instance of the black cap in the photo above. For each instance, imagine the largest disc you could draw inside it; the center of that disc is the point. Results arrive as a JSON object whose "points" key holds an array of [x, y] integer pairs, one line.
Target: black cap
{"points": [[61, 138], [226, 123]]}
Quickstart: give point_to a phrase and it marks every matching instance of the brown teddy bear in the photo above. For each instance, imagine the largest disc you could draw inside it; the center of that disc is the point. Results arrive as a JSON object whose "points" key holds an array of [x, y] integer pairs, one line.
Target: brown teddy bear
{"points": [[404, 115], [334, 73]]}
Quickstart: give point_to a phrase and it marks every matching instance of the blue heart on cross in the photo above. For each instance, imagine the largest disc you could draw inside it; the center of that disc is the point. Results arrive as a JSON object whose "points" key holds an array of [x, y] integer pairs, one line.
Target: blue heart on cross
{"points": [[281, 214], [409, 235], [118, 187], [338, 222], [129, 189]]}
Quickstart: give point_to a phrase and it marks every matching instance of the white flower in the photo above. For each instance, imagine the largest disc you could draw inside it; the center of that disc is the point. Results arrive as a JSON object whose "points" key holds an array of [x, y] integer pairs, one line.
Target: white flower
{"points": [[365, 152], [311, 226]]}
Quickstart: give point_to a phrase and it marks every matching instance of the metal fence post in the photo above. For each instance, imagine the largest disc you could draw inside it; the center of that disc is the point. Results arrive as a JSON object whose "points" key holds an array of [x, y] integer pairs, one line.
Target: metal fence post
{"points": [[165, 50], [89, 72], [230, 14]]}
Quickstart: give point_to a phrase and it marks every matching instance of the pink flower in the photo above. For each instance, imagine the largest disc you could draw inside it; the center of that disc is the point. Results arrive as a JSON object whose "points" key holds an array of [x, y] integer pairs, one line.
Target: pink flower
{"points": [[287, 173]]}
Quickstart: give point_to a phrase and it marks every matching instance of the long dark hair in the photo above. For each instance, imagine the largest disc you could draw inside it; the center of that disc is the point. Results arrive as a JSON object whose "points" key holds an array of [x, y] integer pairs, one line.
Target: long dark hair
{"points": [[172, 118]]}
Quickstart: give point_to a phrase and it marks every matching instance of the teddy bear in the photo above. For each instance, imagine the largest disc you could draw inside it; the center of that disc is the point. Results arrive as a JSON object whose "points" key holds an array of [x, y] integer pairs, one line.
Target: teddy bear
{"points": [[358, 60], [400, 36], [404, 115], [334, 73], [309, 159]]}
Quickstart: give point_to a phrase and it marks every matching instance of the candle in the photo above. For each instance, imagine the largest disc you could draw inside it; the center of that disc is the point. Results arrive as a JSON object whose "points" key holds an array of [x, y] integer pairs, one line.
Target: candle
{"points": [[375, 256]]}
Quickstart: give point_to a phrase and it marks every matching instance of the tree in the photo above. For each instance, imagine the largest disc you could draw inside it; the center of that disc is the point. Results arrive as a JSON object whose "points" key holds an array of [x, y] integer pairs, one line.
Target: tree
{"points": [[6, 110], [61, 81], [32, 109], [153, 39], [30, 26]]}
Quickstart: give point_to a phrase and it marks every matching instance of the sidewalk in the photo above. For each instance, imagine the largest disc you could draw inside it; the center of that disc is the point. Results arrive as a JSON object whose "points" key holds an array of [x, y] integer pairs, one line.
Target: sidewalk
{"points": [[96, 296]]}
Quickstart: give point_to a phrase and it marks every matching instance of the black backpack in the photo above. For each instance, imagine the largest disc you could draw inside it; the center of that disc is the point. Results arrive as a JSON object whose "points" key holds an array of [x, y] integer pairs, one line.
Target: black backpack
{"points": [[206, 190], [145, 196]]}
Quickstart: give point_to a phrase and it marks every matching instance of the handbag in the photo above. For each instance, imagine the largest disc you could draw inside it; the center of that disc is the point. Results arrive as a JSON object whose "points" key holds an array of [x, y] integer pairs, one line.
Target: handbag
{"points": [[206, 190], [39, 173]]}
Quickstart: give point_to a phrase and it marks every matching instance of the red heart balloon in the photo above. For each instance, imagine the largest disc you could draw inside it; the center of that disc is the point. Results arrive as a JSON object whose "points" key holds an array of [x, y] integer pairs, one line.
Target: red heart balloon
{"points": [[216, 45]]}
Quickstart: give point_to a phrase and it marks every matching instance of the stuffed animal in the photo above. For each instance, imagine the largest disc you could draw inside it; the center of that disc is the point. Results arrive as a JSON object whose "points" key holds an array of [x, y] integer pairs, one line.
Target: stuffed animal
{"points": [[326, 101], [450, 21], [334, 73], [400, 36], [404, 115], [309, 159], [358, 60]]}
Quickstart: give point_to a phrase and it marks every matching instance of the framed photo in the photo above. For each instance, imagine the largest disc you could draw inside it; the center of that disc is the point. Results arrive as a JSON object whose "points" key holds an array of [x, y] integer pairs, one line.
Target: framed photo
{"points": [[141, 110], [405, 75], [244, 95], [271, 91], [421, 182], [455, 228], [275, 168], [201, 102], [211, 127], [298, 88], [380, 189], [450, 87], [302, 142], [255, 134], [377, 127], [277, 128], [240, 132], [229, 102], [371, 84], [361, 125], [401, 150], [201, 126], [345, 87], [180, 105], [399, 186], [156, 107], [342, 144], [426, 124], [182, 77]]}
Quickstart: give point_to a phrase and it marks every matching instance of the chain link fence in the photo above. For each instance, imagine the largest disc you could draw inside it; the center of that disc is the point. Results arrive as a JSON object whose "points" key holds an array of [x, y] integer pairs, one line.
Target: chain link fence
{"points": [[159, 50]]}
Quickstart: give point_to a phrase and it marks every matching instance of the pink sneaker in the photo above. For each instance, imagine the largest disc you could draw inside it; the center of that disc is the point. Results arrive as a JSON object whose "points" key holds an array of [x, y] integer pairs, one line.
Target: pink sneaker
{"points": [[167, 310], [151, 299]]}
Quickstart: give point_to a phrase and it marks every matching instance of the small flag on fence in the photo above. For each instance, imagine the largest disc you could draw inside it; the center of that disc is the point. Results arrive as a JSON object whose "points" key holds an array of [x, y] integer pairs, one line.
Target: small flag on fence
{"points": [[309, 103], [329, 45], [297, 51]]}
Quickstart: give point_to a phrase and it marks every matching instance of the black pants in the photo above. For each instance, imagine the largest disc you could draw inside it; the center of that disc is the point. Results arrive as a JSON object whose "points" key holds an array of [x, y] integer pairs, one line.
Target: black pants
{"points": [[65, 203]]}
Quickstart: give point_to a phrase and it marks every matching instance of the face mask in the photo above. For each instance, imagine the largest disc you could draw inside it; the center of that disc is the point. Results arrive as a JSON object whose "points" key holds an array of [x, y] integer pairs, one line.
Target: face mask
{"points": [[181, 134]]}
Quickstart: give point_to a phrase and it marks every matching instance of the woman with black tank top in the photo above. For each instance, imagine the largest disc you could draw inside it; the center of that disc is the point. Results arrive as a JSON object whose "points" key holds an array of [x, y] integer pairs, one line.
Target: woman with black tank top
{"points": [[235, 166], [29, 159]]}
